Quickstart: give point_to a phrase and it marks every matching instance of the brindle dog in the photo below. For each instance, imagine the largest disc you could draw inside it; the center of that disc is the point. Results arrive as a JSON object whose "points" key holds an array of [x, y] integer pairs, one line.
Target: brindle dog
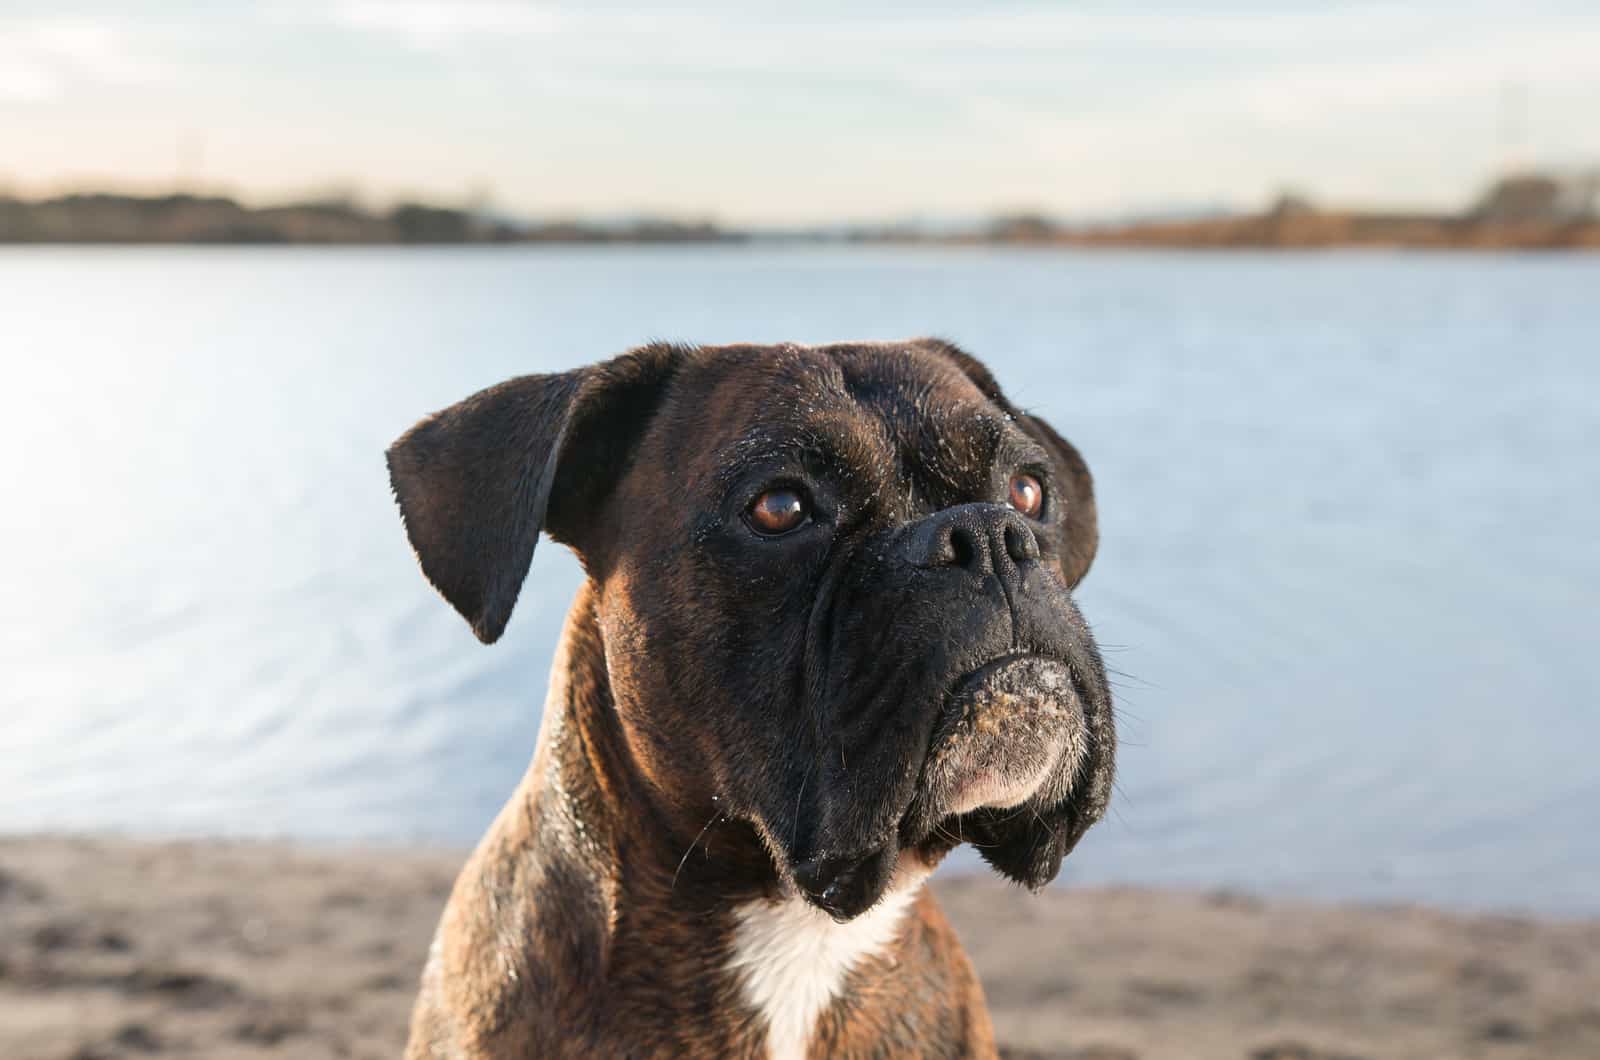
{"points": [[827, 634]]}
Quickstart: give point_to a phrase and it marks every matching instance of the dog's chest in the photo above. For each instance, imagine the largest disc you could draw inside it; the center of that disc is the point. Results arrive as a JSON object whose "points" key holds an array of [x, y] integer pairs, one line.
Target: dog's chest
{"points": [[791, 961]]}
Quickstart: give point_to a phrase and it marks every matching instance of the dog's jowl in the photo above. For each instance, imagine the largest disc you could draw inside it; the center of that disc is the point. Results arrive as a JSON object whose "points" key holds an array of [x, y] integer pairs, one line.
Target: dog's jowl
{"points": [[827, 633]]}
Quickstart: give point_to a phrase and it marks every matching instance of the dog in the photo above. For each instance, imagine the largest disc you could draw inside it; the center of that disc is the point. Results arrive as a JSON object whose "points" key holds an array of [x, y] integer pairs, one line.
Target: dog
{"points": [[827, 634]]}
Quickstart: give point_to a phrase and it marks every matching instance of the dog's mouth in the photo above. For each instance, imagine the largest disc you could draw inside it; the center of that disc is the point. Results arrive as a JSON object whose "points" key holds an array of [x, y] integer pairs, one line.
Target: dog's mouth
{"points": [[1012, 731], [1011, 734]]}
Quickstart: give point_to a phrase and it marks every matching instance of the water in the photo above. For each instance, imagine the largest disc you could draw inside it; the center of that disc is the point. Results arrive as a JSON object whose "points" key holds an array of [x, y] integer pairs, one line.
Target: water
{"points": [[1348, 572]]}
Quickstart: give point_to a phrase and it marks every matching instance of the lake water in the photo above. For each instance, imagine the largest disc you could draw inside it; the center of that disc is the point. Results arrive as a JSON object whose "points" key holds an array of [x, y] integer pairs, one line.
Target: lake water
{"points": [[1348, 575]]}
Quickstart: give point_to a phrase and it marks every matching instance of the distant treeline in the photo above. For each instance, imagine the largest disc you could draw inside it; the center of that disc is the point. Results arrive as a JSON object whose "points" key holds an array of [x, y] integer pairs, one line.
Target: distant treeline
{"points": [[1521, 212], [179, 218]]}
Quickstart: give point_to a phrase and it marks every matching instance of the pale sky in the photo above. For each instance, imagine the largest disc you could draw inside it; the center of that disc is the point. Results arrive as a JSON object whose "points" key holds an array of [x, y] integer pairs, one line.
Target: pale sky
{"points": [[799, 112]]}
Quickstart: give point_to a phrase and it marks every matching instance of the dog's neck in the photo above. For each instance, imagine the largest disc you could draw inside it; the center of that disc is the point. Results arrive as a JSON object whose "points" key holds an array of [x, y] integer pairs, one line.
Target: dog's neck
{"points": [[631, 892], [679, 849]]}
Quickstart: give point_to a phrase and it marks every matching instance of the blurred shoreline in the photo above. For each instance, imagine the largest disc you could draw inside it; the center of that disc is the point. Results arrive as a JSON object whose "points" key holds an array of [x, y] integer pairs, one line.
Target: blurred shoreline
{"points": [[113, 947], [1521, 212]]}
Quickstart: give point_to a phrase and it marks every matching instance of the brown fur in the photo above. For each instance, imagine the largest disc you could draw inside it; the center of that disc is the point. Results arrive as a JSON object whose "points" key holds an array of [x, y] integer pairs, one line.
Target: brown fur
{"points": [[731, 720], [603, 947]]}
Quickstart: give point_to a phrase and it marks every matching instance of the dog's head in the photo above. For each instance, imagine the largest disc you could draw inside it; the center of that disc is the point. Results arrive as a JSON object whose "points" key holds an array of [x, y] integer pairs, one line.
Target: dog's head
{"points": [[834, 587]]}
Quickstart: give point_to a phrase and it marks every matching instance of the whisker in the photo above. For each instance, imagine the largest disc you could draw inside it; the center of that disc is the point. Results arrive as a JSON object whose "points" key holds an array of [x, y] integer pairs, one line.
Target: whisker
{"points": [[694, 843], [794, 826]]}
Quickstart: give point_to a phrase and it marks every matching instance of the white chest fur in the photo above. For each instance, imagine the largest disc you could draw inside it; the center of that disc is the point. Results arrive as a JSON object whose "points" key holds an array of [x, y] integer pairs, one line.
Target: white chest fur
{"points": [[791, 960]]}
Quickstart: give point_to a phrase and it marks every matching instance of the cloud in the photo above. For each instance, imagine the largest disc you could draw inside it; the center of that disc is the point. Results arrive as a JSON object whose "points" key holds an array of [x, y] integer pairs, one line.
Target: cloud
{"points": [[42, 59], [434, 23], [1081, 107], [817, 40], [22, 81]]}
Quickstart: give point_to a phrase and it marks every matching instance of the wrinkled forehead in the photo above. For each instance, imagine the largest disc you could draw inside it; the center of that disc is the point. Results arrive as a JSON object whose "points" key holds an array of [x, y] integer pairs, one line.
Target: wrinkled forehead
{"points": [[863, 409]]}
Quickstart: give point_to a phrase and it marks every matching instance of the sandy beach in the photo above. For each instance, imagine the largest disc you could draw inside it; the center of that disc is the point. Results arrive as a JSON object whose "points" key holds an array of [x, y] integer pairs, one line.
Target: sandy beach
{"points": [[116, 948]]}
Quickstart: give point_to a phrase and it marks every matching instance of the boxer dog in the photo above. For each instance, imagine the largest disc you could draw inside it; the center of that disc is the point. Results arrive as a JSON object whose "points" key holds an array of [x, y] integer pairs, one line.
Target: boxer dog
{"points": [[827, 634]]}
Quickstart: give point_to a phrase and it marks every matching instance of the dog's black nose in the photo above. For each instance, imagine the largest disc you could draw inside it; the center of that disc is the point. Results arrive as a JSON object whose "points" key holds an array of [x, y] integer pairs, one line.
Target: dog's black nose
{"points": [[984, 538]]}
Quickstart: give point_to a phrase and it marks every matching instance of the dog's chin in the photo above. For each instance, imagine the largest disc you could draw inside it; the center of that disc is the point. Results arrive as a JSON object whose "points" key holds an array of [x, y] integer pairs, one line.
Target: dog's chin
{"points": [[1013, 736], [1014, 733]]}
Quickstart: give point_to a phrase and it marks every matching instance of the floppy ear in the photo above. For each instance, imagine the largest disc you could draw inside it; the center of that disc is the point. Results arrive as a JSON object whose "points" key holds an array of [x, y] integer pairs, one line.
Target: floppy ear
{"points": [[1080, 527], [477, 481]]}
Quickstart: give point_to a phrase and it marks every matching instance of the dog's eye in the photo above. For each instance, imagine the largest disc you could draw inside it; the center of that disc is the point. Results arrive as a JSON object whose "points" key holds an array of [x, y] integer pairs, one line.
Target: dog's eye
{"points": [[1026, 495], [776, 511]]}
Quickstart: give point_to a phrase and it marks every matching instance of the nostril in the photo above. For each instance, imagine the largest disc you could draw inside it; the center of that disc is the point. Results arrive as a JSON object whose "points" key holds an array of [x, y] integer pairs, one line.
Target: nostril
{"points": [[963, 547], [979, 538], [1021, 545]]}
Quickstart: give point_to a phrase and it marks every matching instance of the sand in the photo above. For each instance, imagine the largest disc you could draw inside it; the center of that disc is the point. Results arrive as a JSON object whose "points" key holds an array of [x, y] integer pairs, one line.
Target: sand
{"points": [[124, 948]]}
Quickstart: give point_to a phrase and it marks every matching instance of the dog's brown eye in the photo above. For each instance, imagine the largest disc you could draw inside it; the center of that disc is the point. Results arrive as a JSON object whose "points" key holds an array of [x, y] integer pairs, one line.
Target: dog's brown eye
{"points": [[777, 511], [1027, 496]]}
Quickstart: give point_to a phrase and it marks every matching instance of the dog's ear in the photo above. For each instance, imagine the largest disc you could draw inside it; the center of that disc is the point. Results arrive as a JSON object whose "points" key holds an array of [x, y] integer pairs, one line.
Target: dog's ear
{"points": [[477, 481], [1080, 527]]}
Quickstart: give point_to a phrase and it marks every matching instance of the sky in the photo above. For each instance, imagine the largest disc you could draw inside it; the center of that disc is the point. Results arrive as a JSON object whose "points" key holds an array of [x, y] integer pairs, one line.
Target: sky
{"points": [[791, 113]]}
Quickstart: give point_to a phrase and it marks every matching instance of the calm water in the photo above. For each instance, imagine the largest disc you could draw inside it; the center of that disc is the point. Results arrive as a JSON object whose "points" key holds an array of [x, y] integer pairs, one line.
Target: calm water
{"points": [[1349, 568]]}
